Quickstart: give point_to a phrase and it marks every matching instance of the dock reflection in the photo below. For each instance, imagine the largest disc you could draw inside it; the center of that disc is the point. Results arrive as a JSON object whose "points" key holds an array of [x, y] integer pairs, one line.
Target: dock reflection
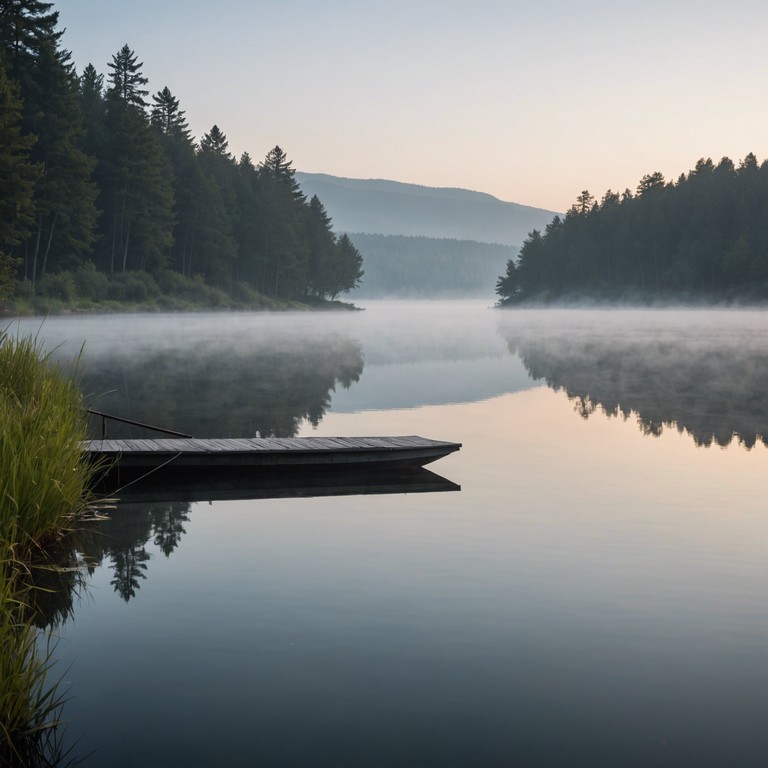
{"points": [[195, 486], [154, 508]]}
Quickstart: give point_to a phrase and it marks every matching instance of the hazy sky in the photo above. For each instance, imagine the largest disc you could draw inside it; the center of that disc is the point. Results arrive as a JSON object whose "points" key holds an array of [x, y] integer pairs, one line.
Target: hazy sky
{"points": [[529, 101]]}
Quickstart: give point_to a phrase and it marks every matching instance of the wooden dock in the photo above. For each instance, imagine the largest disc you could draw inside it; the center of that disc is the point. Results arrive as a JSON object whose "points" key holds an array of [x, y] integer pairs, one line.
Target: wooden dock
{"points": [[137, 455]]}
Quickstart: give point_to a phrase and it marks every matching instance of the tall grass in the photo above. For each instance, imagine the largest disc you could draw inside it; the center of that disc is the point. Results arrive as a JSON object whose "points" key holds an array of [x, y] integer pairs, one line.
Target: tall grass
{"points": [[43, 486], [30, 705], [42, 474]]}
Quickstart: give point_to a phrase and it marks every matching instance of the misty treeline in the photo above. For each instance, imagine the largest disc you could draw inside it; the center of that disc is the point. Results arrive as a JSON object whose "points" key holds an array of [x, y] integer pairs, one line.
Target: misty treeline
{"points": [[399, 265], [703, 237], [105, 193]]}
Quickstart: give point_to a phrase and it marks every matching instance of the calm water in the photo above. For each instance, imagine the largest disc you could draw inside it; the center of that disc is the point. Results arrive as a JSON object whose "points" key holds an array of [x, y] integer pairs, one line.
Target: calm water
{"points": [[596, 594]]}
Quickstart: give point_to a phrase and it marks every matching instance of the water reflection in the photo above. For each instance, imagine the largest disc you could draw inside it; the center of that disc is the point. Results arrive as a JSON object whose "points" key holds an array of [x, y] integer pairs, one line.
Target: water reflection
{"points": [[123, 537], [539, 614], [156, 509], [227, 485], [220, 388], [677, 370]]}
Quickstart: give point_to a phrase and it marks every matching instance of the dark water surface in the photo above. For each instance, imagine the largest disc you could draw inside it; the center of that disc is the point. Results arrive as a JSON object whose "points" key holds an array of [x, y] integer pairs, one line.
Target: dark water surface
{"points": [[595, 595]]}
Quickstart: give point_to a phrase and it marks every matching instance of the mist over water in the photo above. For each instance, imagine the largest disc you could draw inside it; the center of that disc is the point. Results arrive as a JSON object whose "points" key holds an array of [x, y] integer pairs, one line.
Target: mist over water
{"points": [[703, 372], [593, 595], [231, 374]]}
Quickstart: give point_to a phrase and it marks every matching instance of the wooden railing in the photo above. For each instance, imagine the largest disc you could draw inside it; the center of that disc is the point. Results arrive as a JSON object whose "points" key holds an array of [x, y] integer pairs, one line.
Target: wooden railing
{"points": [[105, 416]]}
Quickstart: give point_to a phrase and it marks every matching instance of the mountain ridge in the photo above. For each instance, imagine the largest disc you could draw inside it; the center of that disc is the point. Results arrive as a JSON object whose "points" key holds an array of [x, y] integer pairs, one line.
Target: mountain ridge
{"points": [[387, 207]]}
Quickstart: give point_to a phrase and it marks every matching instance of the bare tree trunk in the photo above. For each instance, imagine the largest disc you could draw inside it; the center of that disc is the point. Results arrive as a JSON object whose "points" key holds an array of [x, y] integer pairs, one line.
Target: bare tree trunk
{"points": [[277, 271], [114, 245], [127, 240], [264, 268], [37, 250], [48, 245]]}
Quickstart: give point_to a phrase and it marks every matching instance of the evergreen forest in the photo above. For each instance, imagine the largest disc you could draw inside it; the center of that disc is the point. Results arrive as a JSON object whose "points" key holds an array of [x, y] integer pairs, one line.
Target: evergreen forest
{"points": [[703, 237], [106, 196], [397, 265]]}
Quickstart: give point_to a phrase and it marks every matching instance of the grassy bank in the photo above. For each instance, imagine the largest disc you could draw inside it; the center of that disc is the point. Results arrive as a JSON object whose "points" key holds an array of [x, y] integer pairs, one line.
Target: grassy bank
{"points": [[43, 488], [86, 290]]}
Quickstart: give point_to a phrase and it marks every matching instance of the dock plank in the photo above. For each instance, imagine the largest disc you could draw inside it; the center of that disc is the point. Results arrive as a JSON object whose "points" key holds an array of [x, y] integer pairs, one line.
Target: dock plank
{"points": [[304, 452]]}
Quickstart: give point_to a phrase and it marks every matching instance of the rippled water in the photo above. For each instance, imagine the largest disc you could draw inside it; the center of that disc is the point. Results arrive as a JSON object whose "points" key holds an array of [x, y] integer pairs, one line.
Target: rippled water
{"points": [[594, 595]]}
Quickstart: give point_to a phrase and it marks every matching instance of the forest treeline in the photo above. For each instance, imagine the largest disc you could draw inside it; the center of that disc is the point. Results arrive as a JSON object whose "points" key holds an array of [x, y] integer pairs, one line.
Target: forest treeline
{"points": [[106, 194], [397, 265], [703, 237]]}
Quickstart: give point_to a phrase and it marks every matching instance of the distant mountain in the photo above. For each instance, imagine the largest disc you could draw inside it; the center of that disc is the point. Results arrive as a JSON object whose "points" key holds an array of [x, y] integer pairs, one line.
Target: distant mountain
{"points": [[376, 206]]}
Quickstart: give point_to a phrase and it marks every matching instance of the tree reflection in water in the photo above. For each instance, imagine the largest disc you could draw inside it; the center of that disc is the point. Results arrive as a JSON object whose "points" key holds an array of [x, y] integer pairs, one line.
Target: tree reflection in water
{"points": [[123, 536], [234, 388], [710, 385]]}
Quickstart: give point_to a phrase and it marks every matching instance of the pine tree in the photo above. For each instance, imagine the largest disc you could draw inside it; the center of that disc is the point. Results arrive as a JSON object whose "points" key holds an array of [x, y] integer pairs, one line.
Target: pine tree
{"points": [[18, 173], [284, 248], [215, 143], [168, 120], [346, 270], [138, 220], [247, 230], [167, 117], [126, 78], [137, 193], [322, 249], [25, 26], [94, 109], [217, 251], [65, 194]]}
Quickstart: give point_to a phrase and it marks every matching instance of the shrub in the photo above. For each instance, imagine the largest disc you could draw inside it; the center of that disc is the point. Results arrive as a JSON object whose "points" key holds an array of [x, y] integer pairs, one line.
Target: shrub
{"points": [[133, 286], [91, 284], [59, 286]]}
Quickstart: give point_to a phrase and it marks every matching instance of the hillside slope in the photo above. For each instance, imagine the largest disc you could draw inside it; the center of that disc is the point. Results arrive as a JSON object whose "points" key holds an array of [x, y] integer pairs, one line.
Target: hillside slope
{"points": [[397, 265], [382, 207]]}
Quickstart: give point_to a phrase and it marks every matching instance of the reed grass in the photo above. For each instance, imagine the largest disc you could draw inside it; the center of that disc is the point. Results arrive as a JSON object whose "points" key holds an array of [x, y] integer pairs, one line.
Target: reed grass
{"points": [[42, 474], [44, 484], [30, 706]]}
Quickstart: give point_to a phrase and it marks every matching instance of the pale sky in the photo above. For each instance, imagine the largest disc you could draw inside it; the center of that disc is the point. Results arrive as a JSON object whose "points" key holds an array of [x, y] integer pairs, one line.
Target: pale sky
{"points": [[529, 101]]}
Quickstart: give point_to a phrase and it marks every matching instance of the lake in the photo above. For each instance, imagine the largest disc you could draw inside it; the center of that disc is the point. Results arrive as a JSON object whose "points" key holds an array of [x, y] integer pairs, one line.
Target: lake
{"points": [[595, 594]]}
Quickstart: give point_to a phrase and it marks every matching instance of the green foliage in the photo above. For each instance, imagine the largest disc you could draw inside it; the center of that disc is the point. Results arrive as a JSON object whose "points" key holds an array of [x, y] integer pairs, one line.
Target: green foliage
{"points": [[168, 117], [137, 225], [334, 265], [345, 269], [65, 195], [43, 486], [215, 143], [704, 236], [192, 291], [133, 287], [8, 268], [16, 169], [126, 80], [25, 25], [60, 286], [42, 475], [90, 283], [98, 179]]}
